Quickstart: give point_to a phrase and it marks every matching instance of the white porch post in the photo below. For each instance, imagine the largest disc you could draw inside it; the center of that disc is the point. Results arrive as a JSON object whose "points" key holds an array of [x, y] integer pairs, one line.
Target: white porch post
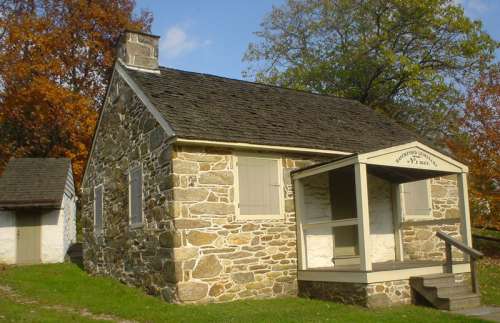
{"points": [[463, 194], [299, 208], [363, 216], [397, 211]]}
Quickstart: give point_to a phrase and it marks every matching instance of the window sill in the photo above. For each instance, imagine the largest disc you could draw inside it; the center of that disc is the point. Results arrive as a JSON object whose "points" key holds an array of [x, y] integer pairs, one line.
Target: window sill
{"points": [[260, 217], [136, 225], [411, 218]]}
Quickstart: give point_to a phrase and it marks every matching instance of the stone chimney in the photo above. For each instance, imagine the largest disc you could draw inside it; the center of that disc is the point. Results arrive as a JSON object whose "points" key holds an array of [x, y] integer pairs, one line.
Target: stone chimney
{"points": [[139, 50]]}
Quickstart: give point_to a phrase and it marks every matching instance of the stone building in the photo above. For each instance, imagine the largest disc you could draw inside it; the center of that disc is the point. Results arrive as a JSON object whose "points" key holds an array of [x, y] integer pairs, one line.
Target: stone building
{"points": [[205, 189]]}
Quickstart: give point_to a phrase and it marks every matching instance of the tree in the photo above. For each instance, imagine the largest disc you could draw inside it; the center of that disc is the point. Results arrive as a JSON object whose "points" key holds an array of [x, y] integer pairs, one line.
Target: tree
{"points": [[408, 58], [478, 145], [55, 59]]}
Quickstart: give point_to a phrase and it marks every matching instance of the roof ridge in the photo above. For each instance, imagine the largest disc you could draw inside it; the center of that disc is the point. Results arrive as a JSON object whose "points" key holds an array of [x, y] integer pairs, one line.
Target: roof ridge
{"points": [[257, 83]]}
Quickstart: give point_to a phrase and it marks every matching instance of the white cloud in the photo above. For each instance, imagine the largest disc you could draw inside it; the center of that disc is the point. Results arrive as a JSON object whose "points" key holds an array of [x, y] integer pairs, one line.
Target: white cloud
{"points": [[473, 7], [176, 41]]}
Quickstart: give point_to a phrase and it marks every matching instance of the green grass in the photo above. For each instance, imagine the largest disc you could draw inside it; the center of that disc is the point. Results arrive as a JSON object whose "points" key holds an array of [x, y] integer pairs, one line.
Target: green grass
{"points": [[66, 284], [13, 312], [489, 278], [486, 233]]}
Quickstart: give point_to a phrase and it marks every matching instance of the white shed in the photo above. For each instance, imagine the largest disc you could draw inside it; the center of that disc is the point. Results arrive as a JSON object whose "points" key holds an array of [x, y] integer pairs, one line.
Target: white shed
{"points": [[37, 210]]}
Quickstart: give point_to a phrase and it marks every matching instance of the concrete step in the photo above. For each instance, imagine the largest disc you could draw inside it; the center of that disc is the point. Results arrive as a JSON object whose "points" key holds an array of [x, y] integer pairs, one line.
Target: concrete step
{"points": [[460, 302], [455, 289], [438, 280], [442, 292]]}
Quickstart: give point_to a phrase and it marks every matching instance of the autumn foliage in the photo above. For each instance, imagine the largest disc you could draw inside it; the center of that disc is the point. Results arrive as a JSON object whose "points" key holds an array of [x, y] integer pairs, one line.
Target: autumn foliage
{"points": [[55, 58], [479, 147]]}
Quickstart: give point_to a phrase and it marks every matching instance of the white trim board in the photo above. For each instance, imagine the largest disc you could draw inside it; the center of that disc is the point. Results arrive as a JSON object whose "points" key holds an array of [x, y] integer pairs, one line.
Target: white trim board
{"points": [[375, 276], [242, 145], [145, 100], [384, 157]]}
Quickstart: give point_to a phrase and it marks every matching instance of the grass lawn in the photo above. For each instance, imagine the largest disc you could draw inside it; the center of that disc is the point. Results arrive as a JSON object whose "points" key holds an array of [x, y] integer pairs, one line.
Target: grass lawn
{"points": [[486, 233], [14, 312], [489, 281], [66, 286]]}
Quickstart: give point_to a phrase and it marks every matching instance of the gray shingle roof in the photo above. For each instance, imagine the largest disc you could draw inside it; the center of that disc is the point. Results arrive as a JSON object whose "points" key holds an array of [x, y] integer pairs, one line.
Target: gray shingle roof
{"points": [[29, 182], [207, 107]]}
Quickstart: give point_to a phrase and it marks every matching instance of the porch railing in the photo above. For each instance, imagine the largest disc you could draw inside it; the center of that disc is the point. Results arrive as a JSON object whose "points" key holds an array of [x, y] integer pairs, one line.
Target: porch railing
{"points": [[473, 254]]}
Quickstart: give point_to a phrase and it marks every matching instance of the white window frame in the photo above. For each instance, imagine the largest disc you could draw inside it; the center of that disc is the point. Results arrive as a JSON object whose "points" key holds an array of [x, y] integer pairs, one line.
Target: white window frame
{"points": [[281, 194], [413, 216], [99, 232], [139, 224]]}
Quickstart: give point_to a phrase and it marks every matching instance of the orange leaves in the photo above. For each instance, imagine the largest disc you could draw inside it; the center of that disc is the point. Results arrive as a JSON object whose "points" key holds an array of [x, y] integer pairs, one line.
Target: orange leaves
{"points": [[479, 146], [55, 58]]}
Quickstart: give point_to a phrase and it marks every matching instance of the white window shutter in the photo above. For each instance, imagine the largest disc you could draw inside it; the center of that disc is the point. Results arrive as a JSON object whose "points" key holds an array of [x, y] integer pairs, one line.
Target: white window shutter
{"points": [[416, 198], [259, 186]]}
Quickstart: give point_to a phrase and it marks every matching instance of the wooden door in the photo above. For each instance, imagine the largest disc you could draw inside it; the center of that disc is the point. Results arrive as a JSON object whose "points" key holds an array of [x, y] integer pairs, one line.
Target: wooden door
{"points": [[28, 237]]}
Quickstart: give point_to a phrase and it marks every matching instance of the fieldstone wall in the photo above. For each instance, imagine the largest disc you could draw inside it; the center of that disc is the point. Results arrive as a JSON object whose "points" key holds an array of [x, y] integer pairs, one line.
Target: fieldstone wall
{"points": [[140, 256], [419, 237], [347, 293], [389, 293], [222, 258], [375, 295]]}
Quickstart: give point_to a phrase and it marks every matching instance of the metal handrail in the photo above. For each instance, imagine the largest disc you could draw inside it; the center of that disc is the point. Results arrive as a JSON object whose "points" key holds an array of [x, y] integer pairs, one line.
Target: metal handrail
{"points": [[471, 252]]}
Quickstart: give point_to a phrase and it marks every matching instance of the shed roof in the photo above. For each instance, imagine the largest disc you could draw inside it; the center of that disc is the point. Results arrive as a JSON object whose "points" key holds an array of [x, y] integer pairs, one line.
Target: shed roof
{"points": [[34, 182], [206, 107]]}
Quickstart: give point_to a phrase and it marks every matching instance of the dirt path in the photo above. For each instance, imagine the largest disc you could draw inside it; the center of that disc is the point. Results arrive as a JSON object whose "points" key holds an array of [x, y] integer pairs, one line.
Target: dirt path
{"points": [[12, 295]]}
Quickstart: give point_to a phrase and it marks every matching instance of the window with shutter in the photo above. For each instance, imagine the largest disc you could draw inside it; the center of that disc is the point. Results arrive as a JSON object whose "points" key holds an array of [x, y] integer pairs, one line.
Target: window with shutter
{"points": [[98, 208], [259, 187], [135, 190], [417, 199]]}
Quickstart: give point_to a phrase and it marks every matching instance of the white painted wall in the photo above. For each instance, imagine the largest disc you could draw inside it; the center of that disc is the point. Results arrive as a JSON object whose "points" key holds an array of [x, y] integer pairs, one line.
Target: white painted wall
{"points": [[69, 216], [58, 232], [317, 198], [381, 220], [7, 237], [319, 241], [52, 236]]}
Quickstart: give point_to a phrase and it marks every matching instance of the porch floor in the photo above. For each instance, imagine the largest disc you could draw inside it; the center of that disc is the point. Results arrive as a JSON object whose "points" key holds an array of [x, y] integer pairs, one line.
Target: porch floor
{"points": [[386, 266]]}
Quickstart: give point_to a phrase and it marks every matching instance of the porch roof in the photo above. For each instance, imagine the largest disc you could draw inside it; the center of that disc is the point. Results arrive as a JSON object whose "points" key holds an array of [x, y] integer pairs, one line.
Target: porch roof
{"points": [[402, 163]]}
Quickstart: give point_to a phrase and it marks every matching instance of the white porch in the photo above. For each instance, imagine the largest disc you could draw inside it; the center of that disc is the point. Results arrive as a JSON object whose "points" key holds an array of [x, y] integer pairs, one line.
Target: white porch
{"points": [[351, 213]]}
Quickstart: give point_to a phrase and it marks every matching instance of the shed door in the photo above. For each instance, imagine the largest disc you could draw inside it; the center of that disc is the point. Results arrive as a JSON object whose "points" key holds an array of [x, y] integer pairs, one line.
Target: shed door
{"points": [[28, 237]]}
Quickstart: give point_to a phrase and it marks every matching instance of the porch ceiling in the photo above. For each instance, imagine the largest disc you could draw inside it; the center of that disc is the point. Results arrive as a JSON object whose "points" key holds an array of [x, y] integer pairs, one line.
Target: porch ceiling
{"points": [[403, 175]]}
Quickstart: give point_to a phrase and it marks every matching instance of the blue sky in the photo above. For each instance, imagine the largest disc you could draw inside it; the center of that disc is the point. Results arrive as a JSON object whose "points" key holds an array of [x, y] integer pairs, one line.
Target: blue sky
{"points": [[212, 36]]}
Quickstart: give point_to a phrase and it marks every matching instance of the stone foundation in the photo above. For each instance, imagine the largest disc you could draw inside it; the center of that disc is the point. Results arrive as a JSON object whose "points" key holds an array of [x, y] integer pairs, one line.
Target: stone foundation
{"points": [[346, 293], [385, 294], [375, 295]]}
